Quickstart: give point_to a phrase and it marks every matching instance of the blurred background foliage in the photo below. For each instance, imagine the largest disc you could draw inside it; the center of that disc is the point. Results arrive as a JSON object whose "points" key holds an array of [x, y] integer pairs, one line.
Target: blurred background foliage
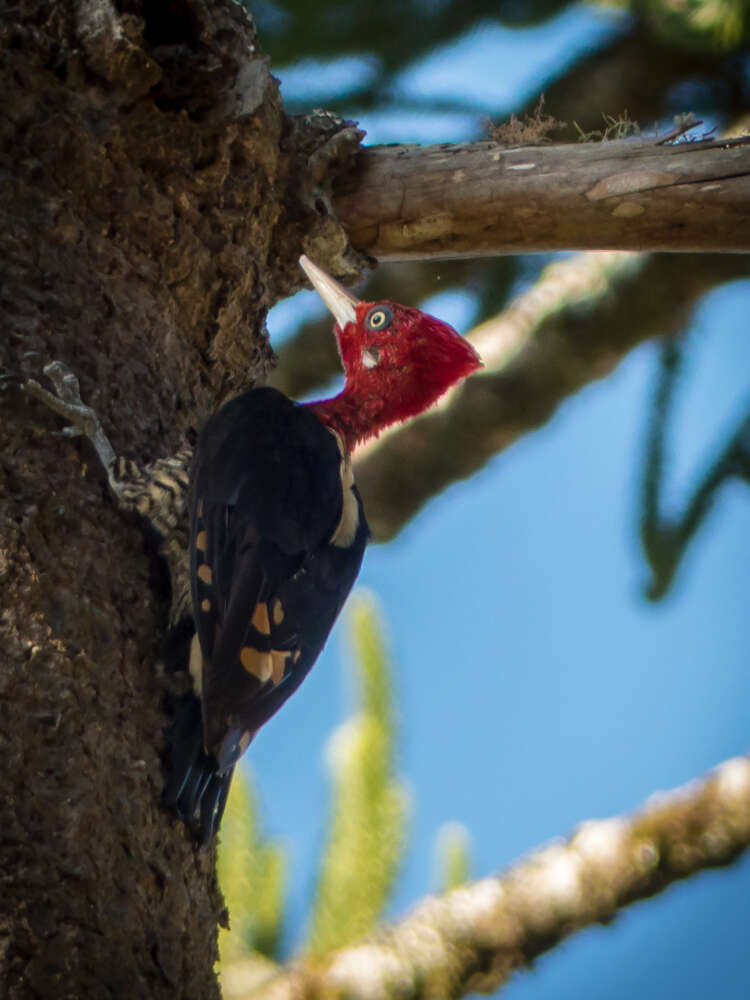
{"points": [[650, 58], [366, 838]]}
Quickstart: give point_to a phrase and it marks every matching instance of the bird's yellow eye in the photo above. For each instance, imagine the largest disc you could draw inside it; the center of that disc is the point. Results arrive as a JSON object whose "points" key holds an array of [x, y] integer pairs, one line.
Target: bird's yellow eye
{"points": [[378, 318]]}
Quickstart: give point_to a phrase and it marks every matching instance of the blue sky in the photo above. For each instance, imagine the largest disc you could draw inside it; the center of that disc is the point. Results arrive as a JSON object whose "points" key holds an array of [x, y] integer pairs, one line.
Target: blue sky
{"points": [[536, 687]]}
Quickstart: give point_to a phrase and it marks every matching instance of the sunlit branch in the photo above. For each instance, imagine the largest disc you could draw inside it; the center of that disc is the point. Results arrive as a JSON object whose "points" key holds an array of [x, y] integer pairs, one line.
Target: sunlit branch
{"points": [[478, 199], [475, 937]]}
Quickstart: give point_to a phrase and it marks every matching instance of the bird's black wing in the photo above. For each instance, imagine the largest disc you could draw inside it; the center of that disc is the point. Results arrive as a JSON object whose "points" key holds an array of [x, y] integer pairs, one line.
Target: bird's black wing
{"points": [[270, 567]]}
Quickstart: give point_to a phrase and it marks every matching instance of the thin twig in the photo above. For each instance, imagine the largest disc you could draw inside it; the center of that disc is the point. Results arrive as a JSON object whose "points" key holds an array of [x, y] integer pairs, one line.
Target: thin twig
{"points": [[665, 538]]}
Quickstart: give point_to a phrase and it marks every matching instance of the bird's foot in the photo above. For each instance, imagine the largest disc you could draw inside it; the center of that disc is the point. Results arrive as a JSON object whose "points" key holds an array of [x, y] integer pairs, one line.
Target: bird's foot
{"points": [[157, 492], [66, 401]]}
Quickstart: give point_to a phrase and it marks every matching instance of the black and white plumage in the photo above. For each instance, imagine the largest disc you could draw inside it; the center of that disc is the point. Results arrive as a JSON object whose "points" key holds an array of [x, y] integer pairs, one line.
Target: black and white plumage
{"points": [[277, 536]]}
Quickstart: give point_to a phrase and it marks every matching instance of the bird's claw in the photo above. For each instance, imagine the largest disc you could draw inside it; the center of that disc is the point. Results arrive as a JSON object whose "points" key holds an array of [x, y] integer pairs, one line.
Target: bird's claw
{"points": [[66, 401], [65, 382]]}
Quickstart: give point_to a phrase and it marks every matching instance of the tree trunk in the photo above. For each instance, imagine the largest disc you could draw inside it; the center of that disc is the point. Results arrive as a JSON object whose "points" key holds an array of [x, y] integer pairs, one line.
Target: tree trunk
{"points": [[155, 200]]}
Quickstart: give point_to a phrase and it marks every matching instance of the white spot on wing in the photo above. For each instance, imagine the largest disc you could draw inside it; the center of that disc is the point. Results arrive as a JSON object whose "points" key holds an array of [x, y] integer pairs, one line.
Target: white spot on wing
{"points": [[346, 529]]}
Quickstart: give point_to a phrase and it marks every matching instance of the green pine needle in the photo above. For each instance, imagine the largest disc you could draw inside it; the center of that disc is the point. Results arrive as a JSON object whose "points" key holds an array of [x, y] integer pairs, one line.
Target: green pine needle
{"points": [[453, 856], [251, 871], [368, 828]]}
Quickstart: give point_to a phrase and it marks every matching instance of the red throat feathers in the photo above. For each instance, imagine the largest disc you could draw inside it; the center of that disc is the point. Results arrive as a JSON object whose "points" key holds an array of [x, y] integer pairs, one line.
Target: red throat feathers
{"points": [[397, 361]]}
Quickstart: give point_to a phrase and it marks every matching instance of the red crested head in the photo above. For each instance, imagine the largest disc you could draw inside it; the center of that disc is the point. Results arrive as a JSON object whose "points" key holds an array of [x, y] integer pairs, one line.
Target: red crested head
{"points": [[397, 361]]}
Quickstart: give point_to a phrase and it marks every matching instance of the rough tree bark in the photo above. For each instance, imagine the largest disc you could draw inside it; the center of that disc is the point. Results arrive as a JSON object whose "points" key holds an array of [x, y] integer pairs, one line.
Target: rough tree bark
{"points": [[154, 201]]}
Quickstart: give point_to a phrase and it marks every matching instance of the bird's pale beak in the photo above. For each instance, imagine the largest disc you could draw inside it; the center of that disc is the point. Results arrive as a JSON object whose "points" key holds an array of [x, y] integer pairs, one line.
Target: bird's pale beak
{"points": [[342, 304]]}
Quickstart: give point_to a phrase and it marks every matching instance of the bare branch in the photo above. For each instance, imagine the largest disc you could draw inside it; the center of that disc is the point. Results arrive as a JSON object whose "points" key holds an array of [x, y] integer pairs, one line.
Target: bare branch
{"points": [[572, 327], [473, 938], [478, 199]]}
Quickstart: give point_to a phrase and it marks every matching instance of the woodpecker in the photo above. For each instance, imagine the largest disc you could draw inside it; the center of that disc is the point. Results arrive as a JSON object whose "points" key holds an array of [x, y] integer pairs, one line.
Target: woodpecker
{"points": [[277, 529]]}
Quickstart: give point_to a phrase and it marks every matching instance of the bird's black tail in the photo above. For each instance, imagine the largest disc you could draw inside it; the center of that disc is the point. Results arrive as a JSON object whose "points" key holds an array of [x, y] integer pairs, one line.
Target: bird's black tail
{"points": [[194, 788]]}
